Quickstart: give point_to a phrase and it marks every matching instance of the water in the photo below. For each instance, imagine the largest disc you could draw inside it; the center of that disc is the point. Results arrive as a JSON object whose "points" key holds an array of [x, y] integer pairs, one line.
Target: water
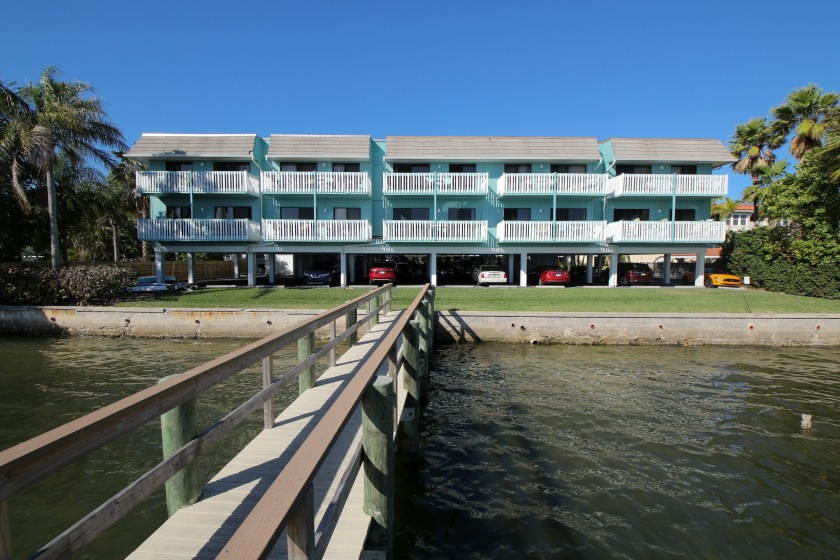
{"points": [[46, 382], [625, 452]]}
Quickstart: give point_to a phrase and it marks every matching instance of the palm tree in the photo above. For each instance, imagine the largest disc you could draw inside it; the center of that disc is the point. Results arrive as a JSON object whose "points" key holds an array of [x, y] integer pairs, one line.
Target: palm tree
{"points": [[14, 111], [62, 117], [767, 175], [753, 144], [724, 209], [805, 112]]}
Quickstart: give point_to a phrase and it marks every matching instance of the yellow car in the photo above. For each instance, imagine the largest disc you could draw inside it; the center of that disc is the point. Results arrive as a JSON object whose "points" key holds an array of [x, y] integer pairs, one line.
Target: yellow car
{"points": [[715, 278]]}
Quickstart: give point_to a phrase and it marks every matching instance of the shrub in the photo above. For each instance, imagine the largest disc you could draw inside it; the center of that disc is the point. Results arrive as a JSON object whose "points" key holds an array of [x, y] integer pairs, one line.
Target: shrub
{"points": [[79, 285]]}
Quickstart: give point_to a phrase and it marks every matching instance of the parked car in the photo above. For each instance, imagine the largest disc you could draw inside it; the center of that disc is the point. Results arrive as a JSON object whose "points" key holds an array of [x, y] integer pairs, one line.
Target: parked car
{"points": [[714, 278], [150, 284], [321, 273], [489, 274], [552, 274], [383, 273], [630, 273]]}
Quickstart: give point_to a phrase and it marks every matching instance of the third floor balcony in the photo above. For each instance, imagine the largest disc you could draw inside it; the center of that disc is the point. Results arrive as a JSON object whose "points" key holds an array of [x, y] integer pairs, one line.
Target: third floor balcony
{"points": [[186, 182], [306, 182], [464, 184], [708, 186], [551, 232], [581, 184]]}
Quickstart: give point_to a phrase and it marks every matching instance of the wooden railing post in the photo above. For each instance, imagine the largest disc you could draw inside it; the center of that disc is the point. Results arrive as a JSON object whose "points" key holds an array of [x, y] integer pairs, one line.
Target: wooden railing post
{"points": [[374, 320], [306, 346], [178, 427], [388, 300], [378, 443], [5, 532], [268, 407], [300, 531], [332, 350], [350, 320], [410, 421]]}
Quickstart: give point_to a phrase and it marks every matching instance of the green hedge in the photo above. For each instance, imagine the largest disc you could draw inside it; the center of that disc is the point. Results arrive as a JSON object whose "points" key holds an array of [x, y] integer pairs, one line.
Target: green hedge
{"points": [[746, 254], [77, 285]]}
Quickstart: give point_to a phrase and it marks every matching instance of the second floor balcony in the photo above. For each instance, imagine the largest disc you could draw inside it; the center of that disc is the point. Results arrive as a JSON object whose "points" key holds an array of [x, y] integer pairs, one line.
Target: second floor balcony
{"points": [[449, 231], [186, 182], [304, 182], [551, 232], [198, 230], [465, 184], [320, 230], [665, 232], [709, 186], [581, 184]]}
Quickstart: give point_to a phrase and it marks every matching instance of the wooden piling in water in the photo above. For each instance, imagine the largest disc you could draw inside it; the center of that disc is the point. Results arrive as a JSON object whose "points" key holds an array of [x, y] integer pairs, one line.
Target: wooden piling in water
{"points": [[178, 427], [378, 444], [5, 532], [410, 421]]}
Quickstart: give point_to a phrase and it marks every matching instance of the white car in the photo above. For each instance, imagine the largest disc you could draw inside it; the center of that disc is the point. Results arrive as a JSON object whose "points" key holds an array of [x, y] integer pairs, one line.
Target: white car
{"points": [[489, 274]]}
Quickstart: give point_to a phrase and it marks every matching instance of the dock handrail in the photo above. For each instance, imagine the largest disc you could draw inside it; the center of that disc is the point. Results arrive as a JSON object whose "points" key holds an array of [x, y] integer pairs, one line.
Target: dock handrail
{"points": [[258, 533], [31, 461]]}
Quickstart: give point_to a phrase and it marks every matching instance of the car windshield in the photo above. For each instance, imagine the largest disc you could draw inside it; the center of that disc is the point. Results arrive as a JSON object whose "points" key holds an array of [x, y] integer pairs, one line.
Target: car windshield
{"points": [[490, 267], [383, 265]]}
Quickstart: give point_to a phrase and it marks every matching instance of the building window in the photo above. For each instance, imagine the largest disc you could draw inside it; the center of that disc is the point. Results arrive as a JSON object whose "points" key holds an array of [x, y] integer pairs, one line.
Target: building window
{"points": [[179, 166], [346, 167], [299, 166], [462, 214], [631, 214], [570, 214], [297, 213], [179, 212], [411, 213], [632, 169], [684, 214], [739, 219], [570, 168], [517, 168], [347, 213], [411, 168], [684, 169], [462, 168], [231, 166], [233, 213], [517, 215]]}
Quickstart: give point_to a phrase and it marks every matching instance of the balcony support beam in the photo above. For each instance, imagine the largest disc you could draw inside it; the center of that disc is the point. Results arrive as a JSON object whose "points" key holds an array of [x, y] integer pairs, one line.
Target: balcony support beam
{"points": [[190, 268], [252, 269], [666, 269], [160, 257], [523, 270], [700, 269], [589, 259], [433, 268]]}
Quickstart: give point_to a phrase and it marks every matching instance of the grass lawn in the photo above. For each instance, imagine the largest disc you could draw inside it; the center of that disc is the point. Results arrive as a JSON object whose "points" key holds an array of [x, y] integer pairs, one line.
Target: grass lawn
{"points": [[642, 300]]}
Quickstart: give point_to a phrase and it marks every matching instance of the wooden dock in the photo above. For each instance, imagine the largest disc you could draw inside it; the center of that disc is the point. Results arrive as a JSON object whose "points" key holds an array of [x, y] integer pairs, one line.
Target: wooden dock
{"points": [[202, 529]]}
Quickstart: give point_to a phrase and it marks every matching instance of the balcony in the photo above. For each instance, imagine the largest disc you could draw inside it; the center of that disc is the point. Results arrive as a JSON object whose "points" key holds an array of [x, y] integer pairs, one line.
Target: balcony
{"points": [[186, 182], [542, 184], [464, 184], [458, 231], [711, 186], [316, 230], [197, 230], [666, 232], [302, 182], [551, 232]]}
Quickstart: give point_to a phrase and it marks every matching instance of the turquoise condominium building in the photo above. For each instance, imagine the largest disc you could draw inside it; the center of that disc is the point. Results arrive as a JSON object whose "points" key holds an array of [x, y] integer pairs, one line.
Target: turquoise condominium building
{"points": [[291, 200]]}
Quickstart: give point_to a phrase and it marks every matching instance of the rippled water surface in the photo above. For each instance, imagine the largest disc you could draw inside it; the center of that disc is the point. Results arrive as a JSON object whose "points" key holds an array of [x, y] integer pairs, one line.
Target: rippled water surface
{"points": [[617, 452]]}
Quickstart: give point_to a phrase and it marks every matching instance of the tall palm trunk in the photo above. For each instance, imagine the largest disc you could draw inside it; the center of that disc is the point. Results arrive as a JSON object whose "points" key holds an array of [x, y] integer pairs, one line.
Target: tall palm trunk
{"points": [[52, 210], [116, 244]]}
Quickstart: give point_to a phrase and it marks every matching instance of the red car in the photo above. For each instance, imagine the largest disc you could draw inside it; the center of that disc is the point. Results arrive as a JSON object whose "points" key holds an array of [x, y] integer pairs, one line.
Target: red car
{"points": [[553, 275], [383, 273], [630, 273]]}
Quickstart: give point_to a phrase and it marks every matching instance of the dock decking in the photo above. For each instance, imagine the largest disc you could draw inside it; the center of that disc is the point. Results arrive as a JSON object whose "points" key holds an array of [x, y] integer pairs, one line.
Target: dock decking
{"points": [[202, 529]]}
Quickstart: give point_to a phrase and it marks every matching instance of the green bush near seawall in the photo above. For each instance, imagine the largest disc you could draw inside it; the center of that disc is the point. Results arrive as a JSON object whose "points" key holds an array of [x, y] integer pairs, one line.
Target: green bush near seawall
{"points": [[76, 285]]}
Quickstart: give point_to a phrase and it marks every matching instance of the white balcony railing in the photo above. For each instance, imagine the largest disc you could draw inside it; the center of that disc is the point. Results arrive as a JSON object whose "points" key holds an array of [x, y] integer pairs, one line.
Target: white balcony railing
{"points": [[665, 185], [551, 232], [185, 182], [667, 232], [584, 184], [431, 183], [197, 230], [320, 230], [472, 231], [302, 182]]}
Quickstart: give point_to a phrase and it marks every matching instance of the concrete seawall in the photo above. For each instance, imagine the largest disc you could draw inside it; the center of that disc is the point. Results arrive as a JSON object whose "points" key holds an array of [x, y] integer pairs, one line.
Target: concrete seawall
{"points": [[452, 325]]}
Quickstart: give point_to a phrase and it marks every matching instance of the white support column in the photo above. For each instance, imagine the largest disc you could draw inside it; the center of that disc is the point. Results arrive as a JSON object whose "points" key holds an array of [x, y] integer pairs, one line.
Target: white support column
{"points": [[343, 260], [614, 257], [666, 269], [190, 268], [433, 269], [510, 267], [589, 259], [252, 270], [700, 269], [160, 258], [351, 268], [235, 265], [271, 266], [523, 270]]}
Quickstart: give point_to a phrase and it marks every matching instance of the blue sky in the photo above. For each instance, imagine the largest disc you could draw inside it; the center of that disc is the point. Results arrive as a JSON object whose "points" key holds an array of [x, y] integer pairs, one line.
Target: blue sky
{"points": [[644, 69]]}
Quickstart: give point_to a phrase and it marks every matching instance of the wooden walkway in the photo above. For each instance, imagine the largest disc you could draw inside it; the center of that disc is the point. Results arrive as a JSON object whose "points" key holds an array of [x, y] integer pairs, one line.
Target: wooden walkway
{"points": [[203, 529]]}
